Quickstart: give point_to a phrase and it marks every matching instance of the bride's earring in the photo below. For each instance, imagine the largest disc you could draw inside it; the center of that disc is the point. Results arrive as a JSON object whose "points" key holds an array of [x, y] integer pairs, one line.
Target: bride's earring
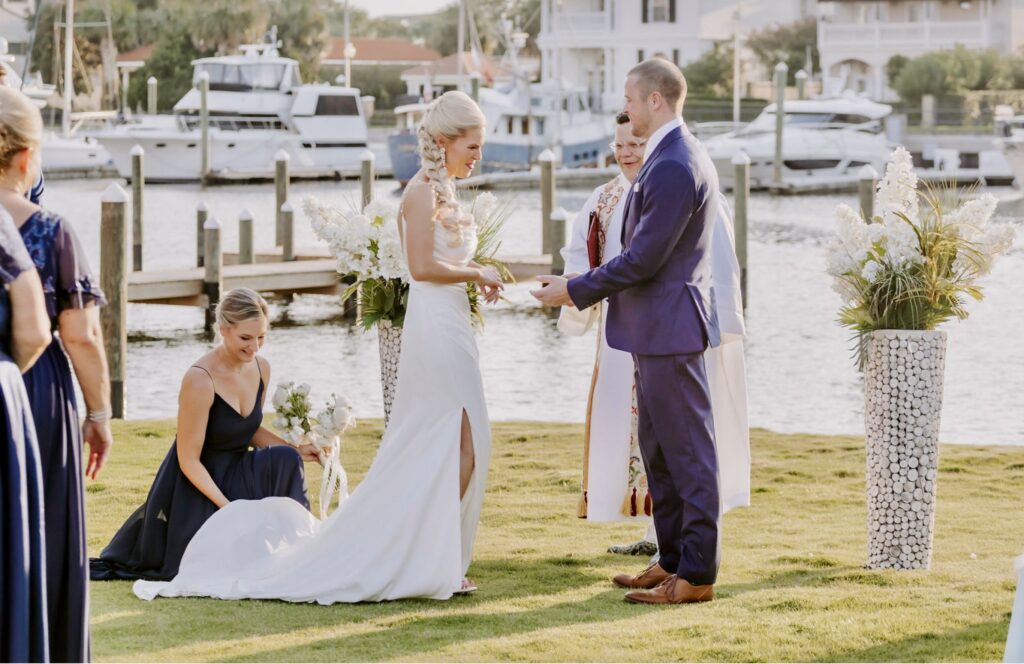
{"points": [[444, 161]]}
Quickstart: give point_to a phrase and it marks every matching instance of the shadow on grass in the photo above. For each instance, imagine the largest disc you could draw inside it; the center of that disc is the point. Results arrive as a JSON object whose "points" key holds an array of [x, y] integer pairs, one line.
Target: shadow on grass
{"points": [[199, 620], [980, 641], [428, 635]]}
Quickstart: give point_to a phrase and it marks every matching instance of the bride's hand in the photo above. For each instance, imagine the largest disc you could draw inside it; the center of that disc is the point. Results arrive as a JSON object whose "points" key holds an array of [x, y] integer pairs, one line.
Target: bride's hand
{"points": [[309, 452], [489, 278]]}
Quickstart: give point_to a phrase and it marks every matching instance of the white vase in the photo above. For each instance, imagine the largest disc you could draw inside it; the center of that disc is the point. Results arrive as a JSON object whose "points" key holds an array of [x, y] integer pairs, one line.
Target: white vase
{"points": [[390, 343], [902, 408]]}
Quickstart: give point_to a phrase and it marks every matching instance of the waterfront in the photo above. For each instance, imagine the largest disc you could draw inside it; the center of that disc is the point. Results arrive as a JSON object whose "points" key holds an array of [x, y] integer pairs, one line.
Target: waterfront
{"points": [[800, 374]]}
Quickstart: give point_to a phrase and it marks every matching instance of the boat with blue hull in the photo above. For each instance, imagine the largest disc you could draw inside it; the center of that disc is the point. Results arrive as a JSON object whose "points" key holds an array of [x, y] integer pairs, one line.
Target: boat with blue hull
{"points": [[520, 126]]}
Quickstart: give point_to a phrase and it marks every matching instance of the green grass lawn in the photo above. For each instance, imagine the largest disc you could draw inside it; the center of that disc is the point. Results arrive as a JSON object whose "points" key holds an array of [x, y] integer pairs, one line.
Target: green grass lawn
{"points": [[792, 585]]}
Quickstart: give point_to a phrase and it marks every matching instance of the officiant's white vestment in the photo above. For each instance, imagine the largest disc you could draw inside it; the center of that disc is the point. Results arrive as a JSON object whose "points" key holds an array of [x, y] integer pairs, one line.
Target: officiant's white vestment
{"points": [[611, 456]]}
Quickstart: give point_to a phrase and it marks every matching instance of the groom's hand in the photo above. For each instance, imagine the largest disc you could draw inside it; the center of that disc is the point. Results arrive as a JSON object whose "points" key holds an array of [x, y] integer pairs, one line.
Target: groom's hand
{"points": [[555, 291]]}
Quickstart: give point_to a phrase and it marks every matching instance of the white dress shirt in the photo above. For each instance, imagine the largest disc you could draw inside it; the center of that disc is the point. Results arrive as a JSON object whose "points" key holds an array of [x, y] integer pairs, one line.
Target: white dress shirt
{"points": [[660, 133]]}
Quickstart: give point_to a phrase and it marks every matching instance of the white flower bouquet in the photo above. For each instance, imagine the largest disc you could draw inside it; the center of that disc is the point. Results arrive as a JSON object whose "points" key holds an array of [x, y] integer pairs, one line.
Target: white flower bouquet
{"points": [[323, 430], [369, 251], [917, 261]]}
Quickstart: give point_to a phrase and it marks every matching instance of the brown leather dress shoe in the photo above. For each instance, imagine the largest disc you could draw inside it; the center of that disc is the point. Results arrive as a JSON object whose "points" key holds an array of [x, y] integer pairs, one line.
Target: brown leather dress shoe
{"points": [[673, 590], [649, 578]]}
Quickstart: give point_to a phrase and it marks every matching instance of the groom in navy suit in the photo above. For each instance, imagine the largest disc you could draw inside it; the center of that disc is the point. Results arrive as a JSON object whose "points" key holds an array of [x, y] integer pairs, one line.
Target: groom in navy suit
{"points": [[661, 310]]}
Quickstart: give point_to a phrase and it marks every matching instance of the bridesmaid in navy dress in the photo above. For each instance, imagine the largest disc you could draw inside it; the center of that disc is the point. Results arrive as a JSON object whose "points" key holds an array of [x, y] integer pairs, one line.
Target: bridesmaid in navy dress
{"points": [[72, 302], [24, 335], [220, 415]]}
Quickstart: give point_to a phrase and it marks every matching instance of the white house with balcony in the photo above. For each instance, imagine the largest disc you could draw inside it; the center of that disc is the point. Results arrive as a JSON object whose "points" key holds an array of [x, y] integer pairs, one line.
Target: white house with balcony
{"points": [[14, 28], [594, 43], [856, 38]]}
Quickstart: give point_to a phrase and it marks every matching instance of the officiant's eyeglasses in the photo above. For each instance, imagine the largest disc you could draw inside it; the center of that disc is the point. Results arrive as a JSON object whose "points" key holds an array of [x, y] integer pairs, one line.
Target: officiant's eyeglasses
{"points": [[615, 146]]}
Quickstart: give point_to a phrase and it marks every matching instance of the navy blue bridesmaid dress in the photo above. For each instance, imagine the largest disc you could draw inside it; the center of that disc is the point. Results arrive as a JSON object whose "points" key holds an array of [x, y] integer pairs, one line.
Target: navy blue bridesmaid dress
{"points": [[151, 542], [23, 635], [68, 283]]}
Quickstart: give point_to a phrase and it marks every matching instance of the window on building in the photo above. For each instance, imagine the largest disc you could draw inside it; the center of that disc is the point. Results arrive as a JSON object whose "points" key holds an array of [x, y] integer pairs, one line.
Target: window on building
{"points": [[640, 55], [658, 11], [675, 56]]}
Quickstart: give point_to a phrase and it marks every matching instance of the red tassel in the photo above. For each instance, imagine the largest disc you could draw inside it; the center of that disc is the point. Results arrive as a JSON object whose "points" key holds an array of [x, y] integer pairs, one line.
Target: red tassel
{"points": [[648, 504], [632, 503]]}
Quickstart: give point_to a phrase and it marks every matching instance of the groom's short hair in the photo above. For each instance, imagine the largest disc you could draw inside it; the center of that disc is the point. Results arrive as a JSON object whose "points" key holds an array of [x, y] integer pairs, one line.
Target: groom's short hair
{"points": [[658, 74]]}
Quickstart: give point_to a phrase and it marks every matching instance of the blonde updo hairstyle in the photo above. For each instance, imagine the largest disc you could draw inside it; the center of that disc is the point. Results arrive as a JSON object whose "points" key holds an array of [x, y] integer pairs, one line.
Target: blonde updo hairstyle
{"points": [[21, 126], [240, 305], [450, 116]]}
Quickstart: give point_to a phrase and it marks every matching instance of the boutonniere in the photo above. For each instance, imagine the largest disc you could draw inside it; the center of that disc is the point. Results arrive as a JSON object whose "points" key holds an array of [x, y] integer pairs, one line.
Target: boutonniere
{"points": [[636, 187]]}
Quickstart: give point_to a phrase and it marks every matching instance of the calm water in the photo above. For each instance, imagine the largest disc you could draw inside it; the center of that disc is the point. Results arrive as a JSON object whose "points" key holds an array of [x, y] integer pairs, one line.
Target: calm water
{"points": [[800, 375]]}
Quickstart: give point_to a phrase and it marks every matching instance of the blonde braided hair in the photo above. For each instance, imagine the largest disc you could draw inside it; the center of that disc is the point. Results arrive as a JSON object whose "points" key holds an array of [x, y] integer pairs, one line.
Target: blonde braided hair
{"points": [[21, 125], [451, 115]]}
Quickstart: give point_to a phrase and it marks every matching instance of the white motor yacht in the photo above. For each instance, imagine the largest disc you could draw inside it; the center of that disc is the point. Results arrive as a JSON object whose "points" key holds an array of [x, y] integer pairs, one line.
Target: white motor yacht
{"points": [[824, 141], [258, 106]]}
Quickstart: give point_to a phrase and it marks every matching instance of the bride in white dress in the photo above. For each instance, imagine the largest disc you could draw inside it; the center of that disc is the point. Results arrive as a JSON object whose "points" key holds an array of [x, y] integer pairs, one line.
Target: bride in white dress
{"points": [[404, 532]]}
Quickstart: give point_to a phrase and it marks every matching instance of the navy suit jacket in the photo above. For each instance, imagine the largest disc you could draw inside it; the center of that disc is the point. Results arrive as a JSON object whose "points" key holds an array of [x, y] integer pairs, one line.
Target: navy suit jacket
{"points": [[659, 287]]}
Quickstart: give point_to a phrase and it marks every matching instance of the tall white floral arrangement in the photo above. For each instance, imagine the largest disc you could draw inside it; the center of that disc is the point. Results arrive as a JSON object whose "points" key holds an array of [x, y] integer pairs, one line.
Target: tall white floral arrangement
{"points": [[915, 264]]}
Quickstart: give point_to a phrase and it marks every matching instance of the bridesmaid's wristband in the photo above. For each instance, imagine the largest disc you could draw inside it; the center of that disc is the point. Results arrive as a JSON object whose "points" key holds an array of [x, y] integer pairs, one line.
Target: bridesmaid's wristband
{"points": [[99, 415]]}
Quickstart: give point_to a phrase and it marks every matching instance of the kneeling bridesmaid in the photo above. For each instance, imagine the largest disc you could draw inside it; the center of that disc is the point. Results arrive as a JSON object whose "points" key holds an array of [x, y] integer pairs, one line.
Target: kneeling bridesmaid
{"points": [[220, 415]]}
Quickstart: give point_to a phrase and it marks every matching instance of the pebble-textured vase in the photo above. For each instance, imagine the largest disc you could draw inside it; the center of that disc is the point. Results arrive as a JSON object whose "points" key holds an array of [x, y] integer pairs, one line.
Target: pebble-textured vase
{"points": [[390, 342], [902, 409]]}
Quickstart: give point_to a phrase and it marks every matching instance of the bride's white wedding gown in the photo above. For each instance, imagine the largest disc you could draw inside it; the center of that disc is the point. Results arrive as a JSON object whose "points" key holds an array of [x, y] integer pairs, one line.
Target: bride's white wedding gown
{"points": [[403, 532]]}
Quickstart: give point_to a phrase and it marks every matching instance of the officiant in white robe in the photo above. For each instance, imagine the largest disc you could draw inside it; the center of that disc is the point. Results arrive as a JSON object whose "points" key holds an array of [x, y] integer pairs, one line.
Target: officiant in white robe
{"points": [[614, 482]]}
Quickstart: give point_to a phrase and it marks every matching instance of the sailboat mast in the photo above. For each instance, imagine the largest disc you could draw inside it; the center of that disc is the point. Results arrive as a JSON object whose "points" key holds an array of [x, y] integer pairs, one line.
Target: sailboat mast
{"points": [[462, 34], [69, 84]]}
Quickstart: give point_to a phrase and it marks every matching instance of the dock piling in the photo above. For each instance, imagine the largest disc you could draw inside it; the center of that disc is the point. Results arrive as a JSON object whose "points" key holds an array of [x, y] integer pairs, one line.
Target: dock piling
{"points": [[201, 213], [138, 183], [781, 72], [213, 275], [282, 181], [204, 125], [557, 239], [741, 201], [114, 282], [245, 248], [547, 197], [288, 224], [151, 96], [867, 178], [801, 84], [366, 176]]}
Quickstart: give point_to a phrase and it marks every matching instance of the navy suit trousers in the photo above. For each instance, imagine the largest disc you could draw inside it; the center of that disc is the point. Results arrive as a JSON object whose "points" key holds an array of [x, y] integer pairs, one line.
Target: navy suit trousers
{"points": [[677, 441]]}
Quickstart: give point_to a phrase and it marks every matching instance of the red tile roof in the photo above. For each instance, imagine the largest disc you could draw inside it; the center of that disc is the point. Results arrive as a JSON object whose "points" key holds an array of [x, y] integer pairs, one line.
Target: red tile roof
{"points": [[380, 50], [449, 66], [141, 53]]}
